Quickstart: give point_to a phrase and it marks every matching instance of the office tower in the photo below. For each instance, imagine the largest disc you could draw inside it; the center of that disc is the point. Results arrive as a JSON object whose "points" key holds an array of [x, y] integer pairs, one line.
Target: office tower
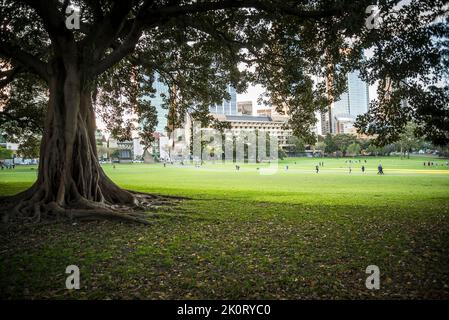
{"points": [[227, 107], [355, 100], [245, 107], [351, 103], [157, 101]]}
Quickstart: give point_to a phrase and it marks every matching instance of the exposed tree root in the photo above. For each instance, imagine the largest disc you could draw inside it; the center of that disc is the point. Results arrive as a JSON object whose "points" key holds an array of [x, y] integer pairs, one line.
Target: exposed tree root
{"points": [[30, 207]]}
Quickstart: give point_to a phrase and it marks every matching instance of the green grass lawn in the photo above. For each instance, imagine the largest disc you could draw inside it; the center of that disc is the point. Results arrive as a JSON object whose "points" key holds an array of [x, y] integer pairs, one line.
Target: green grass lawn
{"points": [[290, 235]]}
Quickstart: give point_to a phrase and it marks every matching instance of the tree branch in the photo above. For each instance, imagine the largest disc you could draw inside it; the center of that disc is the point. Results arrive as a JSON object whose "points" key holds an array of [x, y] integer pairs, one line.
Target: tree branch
{"points": [[147, 17], [274, 6], [108, 27], [54, 23], [21, 122], [121, 51], [96, 9], [25, 59]]}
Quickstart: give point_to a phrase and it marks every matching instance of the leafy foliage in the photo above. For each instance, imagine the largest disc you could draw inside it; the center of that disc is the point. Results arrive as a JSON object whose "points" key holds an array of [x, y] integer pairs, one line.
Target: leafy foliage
{"points": [[298, 144], [353, 149], [350, 144], [5, 153], [23, 111], [410, 61], [29, 149]]}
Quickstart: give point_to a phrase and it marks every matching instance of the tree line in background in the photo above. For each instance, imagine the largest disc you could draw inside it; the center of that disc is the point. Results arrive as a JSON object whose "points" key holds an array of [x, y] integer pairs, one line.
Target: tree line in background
{"points": [[5, 153], [332, 145], [352, 145]]}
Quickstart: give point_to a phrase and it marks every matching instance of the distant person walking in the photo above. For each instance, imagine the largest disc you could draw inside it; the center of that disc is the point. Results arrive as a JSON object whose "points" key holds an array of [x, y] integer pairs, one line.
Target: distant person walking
{"points": [[380, 169], [350, 169], [317, 168], [363, 169]]}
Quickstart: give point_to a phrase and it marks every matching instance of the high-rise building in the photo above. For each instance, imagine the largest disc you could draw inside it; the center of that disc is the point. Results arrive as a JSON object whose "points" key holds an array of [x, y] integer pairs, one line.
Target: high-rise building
{"points": [[325, 122], [160, 131], [157, 101], [245, 108], [351, 103], [354, 101], [227, 107]]}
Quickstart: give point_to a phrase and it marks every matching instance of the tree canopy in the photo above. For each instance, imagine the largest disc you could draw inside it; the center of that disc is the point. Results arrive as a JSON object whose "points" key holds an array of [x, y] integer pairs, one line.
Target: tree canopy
{"points": [[197, 48]]}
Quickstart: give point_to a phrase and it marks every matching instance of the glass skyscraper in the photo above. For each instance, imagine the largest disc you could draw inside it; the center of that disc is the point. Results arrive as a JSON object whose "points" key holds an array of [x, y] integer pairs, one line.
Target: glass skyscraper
{"points": [[355, 100], [351, 103], [227, 107], [157, 101]]}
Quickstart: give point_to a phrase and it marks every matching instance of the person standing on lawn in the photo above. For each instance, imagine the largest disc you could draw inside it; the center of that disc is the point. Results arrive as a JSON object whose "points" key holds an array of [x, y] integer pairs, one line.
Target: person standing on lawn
{"points": [[380, 169]]}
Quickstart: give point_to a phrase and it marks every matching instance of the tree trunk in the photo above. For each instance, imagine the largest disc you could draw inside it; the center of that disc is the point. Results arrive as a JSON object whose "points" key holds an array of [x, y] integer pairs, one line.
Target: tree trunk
{"points": [[69, 168], [70, 181]]}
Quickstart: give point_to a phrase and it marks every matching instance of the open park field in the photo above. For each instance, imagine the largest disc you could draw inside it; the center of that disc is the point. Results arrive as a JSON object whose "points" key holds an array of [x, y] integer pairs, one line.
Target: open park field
{"points": [[294, 234]]}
